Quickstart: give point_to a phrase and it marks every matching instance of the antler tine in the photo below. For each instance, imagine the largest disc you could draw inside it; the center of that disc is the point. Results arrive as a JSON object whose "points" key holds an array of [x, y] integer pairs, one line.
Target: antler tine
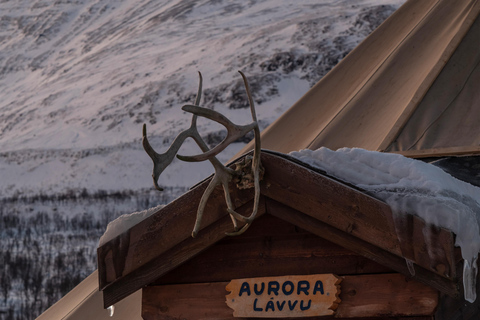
{"points": [[146, 145], [197, 101], [161, 161], [258, 147], [256, 130], [199, 91], [239, 232], [249, 95], [203, 202], [209, 114], [153, 155], [233, 132], [193, 132], [228, 199], [223, 176], [255, 169]]}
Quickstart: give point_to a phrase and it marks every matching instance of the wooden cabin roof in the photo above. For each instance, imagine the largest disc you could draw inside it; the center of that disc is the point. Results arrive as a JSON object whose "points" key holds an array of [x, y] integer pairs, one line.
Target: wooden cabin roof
{"points": [[293, 192]]}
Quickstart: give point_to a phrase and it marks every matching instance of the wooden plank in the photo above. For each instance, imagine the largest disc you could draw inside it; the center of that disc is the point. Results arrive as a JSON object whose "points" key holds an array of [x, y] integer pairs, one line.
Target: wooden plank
{"points": [[172, 258], [289, 296], [386, 294], [359, 246], [426, 245], [440, 152], [327, 200], [382, 295], [356, 213], [450, 308], [186, 301], [271, 247], [160, 232]]}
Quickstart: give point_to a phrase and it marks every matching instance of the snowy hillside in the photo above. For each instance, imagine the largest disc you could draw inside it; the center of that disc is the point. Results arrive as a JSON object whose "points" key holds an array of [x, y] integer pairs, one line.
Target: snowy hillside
{"points": [[78, 78]]}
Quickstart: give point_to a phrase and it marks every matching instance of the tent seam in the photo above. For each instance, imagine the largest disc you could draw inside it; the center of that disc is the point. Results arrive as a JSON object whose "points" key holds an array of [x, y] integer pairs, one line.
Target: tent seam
{"points": [[390, 138], [445, 110], [79, 304], [376, 71]]}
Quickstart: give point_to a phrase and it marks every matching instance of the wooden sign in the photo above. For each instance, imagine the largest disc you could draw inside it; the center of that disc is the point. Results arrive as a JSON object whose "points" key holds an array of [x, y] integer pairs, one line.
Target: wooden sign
{"points": [[282, 297]]}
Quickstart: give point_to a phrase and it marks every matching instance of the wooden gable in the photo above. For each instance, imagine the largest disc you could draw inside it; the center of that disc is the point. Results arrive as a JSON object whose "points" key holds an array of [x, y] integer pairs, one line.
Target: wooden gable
{"points": [[274, 247], [308, 223]]}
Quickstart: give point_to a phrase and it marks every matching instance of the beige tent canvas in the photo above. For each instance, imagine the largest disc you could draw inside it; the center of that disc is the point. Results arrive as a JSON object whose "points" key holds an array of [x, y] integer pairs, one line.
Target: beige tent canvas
{"points": [[411, 87], [85, 301]]}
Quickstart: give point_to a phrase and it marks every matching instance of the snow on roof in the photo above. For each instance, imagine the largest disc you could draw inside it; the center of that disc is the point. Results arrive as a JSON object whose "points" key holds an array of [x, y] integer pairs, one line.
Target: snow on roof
{"points": [[125, 222], [411, 187]]}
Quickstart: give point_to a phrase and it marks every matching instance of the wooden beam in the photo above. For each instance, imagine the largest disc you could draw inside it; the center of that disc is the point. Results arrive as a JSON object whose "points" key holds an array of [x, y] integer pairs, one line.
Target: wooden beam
{"points": [[353, 212], [359, 246], [333, 202], [428, 246], [387, 295], [440, 152], [450, 308], [162, 231], [271, 247], [172, 258]]}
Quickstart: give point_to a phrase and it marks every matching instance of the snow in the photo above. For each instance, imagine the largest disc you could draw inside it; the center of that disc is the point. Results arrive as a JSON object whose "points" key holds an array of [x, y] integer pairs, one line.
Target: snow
{"points": [[411, 187], [85, 75], [125, 222], [111, 311]]}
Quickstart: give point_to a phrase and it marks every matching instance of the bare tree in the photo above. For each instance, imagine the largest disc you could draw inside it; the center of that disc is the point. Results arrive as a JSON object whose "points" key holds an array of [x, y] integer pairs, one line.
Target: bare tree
{"points": [[5, 283]]}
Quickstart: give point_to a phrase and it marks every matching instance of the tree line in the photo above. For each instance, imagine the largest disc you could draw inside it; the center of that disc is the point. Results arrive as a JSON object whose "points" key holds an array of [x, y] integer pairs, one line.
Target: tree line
{"points": [[48, 243]]}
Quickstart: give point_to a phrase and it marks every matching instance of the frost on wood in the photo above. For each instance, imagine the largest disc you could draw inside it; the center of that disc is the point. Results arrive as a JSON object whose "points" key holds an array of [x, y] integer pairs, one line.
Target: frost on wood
{"points": [[125, 222], [411, 187]]}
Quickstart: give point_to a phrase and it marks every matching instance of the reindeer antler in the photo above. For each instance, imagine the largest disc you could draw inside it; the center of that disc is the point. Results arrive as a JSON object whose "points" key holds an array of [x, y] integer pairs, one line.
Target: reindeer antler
{"points": [[161, 161], [223, 175], [256, 166]]}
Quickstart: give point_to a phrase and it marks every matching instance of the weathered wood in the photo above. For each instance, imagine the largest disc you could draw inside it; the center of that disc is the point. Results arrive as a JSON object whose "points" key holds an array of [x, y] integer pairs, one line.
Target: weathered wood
{"points": [[160, 232], [355, 213], [386, 294], [359, 246], [426, 245], [186, 301], [330, 201], [284, 297], [382, 295], [271, 247], [162, 242], [450, 308], [172, 258]]}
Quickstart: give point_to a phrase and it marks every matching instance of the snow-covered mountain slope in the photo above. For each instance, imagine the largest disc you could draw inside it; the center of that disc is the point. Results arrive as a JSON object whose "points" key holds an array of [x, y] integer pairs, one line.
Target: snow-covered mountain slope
{"points": [[78, 78]]}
